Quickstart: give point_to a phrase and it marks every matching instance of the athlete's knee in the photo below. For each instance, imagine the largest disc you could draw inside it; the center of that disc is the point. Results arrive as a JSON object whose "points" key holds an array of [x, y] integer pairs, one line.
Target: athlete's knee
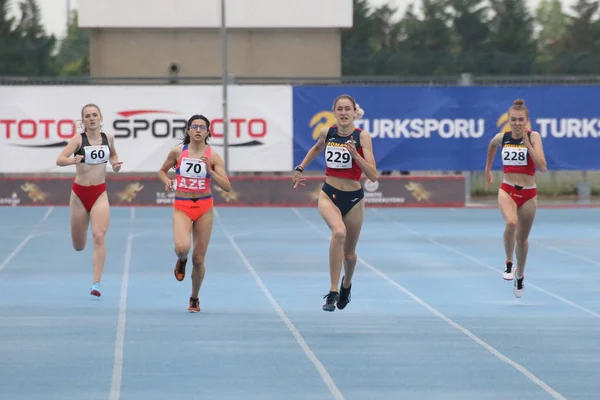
{"points": [[352, 257], [99, 237], [339, 235], [511, 223], [78, 245], [522, 240], [182, 249], [198, 260]]}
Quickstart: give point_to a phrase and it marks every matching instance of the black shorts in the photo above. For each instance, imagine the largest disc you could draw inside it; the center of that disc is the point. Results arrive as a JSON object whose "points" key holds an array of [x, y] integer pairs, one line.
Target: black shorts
{"points": [[343, 200]]}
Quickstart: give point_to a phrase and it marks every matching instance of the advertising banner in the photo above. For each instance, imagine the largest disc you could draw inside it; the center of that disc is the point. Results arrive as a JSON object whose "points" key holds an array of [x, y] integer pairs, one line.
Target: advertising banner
{"points": [[441, 191], [449, 128], [36, 123]]}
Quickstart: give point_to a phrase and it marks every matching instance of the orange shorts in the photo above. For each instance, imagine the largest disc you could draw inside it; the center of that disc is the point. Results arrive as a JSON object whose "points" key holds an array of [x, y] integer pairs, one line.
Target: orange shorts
{"points": [[518, 193], [194, 208]]}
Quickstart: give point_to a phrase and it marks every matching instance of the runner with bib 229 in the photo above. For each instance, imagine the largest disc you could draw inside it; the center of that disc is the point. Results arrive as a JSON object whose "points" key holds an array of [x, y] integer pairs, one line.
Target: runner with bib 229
{"points": [[348, 154]]}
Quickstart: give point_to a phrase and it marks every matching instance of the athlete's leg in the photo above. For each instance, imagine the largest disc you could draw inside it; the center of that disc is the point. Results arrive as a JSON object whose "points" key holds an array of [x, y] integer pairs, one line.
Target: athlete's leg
{"points": [[333, 217], [182, 230], [100, 216], [80, 221], [202, 230], [526, 217], [508, 208], [353, 221]]}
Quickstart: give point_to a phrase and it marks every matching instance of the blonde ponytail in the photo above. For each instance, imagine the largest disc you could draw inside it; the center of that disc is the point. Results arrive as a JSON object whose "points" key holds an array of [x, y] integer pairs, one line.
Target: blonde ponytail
{"points": [[359, 112]]}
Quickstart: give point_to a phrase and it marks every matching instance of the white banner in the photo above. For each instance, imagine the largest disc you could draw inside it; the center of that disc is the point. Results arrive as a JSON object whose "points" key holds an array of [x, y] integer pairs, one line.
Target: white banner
{"points": [[147, 122], [249, 14]]}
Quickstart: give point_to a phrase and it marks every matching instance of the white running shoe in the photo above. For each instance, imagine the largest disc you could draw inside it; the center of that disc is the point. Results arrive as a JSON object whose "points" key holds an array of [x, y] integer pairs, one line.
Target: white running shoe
{"points": [[519, 288], [508, 274], [95, 289]]}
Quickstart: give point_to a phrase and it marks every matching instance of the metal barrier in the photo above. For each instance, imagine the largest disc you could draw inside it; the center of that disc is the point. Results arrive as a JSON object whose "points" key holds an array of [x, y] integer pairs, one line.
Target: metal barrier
{"points": [[583, 183], [458, 80]]}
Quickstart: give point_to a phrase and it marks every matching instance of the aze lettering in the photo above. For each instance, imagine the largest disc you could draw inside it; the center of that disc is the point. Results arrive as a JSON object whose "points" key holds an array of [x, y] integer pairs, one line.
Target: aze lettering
{"points": [[193, 184]]}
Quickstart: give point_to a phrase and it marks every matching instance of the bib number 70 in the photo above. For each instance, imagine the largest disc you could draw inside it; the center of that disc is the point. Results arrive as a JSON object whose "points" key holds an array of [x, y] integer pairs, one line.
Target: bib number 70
{"points": [[193, 168]]}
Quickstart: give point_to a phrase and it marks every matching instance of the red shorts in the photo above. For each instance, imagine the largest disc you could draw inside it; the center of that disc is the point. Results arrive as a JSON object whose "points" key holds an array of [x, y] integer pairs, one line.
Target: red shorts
{"points": [[194, 208], [88, 194], [519, 194]]}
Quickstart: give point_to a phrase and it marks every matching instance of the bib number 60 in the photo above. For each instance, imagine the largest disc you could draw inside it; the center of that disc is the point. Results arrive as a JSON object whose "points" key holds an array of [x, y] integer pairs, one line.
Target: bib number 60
{"points": [[97, 154]]}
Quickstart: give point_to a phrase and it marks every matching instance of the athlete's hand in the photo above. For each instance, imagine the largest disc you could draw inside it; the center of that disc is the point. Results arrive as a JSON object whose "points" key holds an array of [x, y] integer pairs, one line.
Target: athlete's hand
{"points": [[170, 186], [209, 166], [117, 166], [77, 159], [526, 140], [350, 145], [298, 179], [488, 179]]}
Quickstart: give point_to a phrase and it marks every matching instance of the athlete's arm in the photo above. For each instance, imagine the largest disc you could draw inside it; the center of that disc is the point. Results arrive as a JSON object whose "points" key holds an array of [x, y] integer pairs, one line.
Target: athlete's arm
{"points": [[491, 153], [536, 150], [218, 172], [64, 159], [169, 163], [114, 157], [367, 161], [316, 149]]}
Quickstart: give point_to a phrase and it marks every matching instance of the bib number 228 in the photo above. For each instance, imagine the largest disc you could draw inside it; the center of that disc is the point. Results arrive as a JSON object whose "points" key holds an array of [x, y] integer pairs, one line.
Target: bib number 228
{"points": [[514, 156]]}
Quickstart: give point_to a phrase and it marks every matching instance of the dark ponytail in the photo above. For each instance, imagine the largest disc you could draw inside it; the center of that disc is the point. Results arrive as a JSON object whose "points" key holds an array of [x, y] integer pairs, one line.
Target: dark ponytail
{"points": [[186, 139]]}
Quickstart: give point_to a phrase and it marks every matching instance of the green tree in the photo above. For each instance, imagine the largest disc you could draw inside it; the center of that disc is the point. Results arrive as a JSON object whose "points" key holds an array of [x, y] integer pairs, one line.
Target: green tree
{"points": [[73, 54], [383, 41], [581, 43], [512, 46], [423, 46], [9, 41], [27, 48], [455, 36], [438, 38], [406, 42], [356, 41], [553, 21], [582, 33], [472, 32]]}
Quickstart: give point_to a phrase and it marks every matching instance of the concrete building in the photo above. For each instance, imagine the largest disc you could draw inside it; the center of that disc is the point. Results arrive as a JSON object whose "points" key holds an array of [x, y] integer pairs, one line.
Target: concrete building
{"points": [[182, 38]]}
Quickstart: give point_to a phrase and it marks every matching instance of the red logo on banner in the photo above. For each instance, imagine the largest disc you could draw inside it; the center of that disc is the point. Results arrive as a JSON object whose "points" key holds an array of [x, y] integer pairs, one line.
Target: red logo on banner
{"points": [[29, 132], [242, 131]]}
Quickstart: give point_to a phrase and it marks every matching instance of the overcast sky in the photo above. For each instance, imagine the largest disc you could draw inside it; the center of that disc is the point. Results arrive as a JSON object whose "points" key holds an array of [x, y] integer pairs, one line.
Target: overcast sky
{"points": [[54, 11]]}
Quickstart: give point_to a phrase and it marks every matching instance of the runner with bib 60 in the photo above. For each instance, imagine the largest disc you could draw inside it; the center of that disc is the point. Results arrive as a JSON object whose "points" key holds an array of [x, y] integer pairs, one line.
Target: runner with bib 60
{"points": [[92, 149]]}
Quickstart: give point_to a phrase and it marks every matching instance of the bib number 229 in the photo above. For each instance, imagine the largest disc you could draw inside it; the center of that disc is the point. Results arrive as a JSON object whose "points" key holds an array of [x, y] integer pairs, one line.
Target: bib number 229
{"points": [[338, 158]]}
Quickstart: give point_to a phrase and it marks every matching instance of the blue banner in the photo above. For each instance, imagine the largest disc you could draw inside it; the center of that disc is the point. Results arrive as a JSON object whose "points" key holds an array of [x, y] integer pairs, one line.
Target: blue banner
{"points": [[449, 128]]}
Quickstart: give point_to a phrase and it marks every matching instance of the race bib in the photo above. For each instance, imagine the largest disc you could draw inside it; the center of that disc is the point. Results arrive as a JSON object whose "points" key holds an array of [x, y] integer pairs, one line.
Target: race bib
{"points": [[338, 157], [96, 154], [192, 168], [514, 156]]}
